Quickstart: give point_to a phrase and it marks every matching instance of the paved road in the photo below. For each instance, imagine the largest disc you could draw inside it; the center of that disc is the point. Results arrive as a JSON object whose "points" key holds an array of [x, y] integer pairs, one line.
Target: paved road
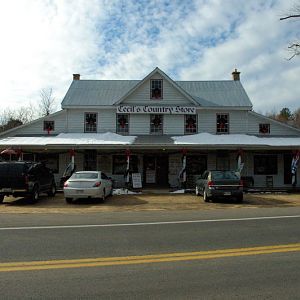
{"points": [[220, 254]]}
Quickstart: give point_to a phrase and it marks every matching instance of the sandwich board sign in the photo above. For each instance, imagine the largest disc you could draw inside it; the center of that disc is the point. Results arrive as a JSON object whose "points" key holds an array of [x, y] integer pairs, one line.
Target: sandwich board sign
{"points": [[136, 180]]}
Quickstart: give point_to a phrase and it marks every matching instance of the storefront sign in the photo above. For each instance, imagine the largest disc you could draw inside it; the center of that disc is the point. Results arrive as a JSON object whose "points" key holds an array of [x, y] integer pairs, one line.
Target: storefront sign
{"points": [[136, 180], [147, 109]]}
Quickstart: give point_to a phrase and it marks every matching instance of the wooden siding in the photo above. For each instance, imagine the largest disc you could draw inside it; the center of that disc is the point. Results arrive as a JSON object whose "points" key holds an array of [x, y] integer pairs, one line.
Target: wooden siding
{"points": [[139, 124], [275, 127], [37, 127], [171, 96], [173, 124], [207, 121], [106, 120]]}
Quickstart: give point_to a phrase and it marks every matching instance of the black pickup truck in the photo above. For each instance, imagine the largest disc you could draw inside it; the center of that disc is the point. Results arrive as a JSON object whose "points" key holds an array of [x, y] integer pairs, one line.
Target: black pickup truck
{"points": [[25, 179]]}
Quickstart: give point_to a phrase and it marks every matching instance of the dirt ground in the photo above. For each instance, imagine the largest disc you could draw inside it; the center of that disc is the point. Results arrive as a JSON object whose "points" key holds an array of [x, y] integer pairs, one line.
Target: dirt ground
{"points": [[144, 202]]}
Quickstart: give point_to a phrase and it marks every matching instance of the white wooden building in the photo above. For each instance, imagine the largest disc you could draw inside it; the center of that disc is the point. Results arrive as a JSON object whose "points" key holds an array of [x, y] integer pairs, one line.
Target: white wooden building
{"points": [[156, 121]]}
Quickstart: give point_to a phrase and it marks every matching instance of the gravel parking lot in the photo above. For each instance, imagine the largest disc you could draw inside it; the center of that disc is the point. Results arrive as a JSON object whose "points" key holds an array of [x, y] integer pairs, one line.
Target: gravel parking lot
{"points": [[138, 202]]}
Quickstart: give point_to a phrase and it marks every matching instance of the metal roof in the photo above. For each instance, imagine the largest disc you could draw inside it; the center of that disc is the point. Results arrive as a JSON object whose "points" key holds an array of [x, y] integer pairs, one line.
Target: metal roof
{"points": [[112, 140], [217, 93], [96, 92], [107, 92]]}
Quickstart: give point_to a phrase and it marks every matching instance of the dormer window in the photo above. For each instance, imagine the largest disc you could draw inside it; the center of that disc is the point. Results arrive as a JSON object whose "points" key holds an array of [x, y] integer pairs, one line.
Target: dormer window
{"points": [[264, 128], [156, 92]]}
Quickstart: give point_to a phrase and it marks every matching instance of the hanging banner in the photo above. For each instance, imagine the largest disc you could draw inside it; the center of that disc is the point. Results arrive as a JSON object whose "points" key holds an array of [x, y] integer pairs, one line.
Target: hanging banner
{"points": [[294, 167], [127, 171], [147, 109]]}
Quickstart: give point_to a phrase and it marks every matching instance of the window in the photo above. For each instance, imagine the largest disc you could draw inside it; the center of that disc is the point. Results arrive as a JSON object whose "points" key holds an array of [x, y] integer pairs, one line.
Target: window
{"points": [[265, 164], [48, 126], [90, 122], [79, 175], [122, 124], [223, 161], [156, 124], [190, 124], [51, 160], [156, 89], [90, 160], [196, 164], [120, 164], [264, 128], [222, 123]]}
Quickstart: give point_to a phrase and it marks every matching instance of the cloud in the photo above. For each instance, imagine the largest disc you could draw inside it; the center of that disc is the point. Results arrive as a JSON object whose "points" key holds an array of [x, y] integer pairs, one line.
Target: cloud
{"points": [[189, 40]]}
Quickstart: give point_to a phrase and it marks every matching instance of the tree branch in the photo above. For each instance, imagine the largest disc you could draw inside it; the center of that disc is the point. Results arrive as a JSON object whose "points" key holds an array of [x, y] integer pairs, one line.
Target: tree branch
{"points": [[288, 17]]}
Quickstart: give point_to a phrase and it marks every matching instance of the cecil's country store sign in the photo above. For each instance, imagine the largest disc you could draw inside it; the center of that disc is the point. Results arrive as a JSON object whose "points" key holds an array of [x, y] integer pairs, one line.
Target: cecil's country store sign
{"points": [[146, 109]]}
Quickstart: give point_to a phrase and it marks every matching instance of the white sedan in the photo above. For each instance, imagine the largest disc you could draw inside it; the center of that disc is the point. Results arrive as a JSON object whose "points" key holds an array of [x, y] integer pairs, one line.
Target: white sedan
{"points": [[87, 184]]}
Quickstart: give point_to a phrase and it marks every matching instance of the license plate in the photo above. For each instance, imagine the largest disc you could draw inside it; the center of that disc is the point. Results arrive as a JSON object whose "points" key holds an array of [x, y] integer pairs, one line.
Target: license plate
{"points": [[79, 191], [227, 193]]}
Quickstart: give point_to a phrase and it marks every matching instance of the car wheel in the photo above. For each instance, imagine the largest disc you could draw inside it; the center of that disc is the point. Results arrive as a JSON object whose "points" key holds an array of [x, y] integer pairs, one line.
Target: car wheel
{"points": [[1, 198], [35, 194], [197, 191], [69, 200], [205, 197], [52, 191]]}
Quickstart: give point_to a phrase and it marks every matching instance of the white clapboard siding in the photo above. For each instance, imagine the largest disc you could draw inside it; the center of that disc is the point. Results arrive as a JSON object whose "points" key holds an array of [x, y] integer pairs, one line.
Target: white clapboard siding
{"points": [[106, 120], [139, 124], [237, 122], [276, 128], [75, 120], [37, 127], [171, 95], [173, 124], [207, 120]]}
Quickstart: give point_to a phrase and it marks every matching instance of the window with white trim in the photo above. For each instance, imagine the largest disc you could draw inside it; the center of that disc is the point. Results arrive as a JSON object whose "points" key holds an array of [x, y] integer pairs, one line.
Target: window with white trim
{"points": [[222, 123], [156, 124], [264, 128], [48, 126], [190, 122], [156, 91], [90, 122], [123, 124]]}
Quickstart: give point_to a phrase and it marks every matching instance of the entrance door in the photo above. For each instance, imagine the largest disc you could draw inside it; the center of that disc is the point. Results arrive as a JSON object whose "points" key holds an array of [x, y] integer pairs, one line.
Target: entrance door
{"points": [[156, 169], [162, 170]]}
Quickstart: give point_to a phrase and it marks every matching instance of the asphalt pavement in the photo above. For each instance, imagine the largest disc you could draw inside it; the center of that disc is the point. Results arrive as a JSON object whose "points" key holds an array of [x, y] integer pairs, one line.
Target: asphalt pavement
{"points": [[237, 253]]}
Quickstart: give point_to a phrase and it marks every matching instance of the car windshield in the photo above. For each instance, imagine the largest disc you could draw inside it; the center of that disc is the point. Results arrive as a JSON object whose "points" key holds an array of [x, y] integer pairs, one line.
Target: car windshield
{"points": [[84, 176], [224, 175]]}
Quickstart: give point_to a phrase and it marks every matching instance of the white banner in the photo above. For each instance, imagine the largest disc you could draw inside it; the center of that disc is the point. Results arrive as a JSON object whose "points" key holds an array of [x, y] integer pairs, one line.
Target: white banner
{"points": [[147, 109]]}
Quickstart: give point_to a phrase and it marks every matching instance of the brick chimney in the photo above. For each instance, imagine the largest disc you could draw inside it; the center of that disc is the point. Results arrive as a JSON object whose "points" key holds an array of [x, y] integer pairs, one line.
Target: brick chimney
{"points": [[236, 75], [76, 76]]}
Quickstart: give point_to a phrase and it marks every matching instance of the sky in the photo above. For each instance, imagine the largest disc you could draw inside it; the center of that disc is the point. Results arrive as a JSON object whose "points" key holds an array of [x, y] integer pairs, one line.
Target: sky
{"points": [[44, 42]]}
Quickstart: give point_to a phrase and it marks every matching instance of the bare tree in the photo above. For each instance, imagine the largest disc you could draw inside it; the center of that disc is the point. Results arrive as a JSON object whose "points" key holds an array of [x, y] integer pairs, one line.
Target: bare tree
{"points": [[294, 47], [47, 104], [12, 118], [296, 115]]}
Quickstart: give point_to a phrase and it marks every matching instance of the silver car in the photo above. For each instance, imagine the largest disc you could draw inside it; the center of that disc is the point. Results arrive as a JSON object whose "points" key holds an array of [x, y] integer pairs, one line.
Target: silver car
{"points": [[87, 184]]}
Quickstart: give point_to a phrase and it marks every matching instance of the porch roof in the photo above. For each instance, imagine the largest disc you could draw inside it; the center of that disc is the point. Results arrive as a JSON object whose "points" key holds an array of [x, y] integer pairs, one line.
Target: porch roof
{"points": [[108, 139]]}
